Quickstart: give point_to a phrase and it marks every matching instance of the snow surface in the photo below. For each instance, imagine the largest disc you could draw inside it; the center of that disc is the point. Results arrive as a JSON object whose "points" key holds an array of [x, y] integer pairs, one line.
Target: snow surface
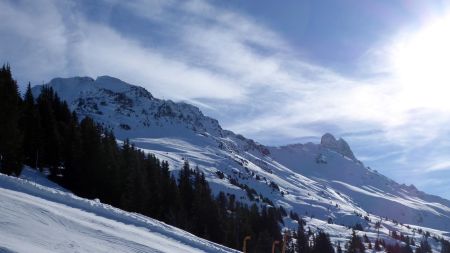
{"points": [[40, 217], [319, 181]]}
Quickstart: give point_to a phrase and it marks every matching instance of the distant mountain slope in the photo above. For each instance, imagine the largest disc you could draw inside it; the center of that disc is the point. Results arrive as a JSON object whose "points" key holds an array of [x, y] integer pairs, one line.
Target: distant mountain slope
{"points": [[325, 180], [41, 218]]}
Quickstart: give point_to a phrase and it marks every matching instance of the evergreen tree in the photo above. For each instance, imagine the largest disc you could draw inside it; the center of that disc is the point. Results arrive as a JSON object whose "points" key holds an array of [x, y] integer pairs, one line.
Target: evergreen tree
{"points": [[339, 249], [51, 138], [170, 197], [322, 244], [263, 243], [30, 127], [366, 240], [424, 247], [135, 194], [407, 249], [111, 166], [186, 196], [10, 136], [356, 245], [445, 246], [377, 245], [302, 239], [73, 173], [91, 158]]}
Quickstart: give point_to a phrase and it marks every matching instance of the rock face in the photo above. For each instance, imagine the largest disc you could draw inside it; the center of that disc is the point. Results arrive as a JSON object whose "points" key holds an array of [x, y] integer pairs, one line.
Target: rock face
{"points": [[122, 106], [132, 111], [340, 146]]}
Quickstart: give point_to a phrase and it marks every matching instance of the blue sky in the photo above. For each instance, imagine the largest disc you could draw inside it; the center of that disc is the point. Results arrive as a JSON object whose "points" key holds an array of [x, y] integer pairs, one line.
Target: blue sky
{"points": [[372, 72]]}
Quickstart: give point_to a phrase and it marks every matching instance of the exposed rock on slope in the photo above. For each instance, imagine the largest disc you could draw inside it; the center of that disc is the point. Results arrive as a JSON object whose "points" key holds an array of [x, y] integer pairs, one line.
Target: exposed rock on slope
{"points": [[340, 146]]}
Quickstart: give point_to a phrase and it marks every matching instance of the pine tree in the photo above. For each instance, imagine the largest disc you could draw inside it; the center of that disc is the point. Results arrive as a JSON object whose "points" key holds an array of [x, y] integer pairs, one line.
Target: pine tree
{"points": [[424, 247], [30, 126], [445, 246], [339, 249], [51, 138], [366, 240], [407, 249], [73, 174], [111, 166], [263, 243], [377, 245], [10, 136], [356, 245], [135, 194], [91, 157], [302, 239], [186, 194], [322, 244]]}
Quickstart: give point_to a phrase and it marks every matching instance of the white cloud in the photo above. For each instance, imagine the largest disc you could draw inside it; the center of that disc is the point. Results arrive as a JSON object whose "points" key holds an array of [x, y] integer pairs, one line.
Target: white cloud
{"points": [[33, 43], [439, 166], [104, 51]]}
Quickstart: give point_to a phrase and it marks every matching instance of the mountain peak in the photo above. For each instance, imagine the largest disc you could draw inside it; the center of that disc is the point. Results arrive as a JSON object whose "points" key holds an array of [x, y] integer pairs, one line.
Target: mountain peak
{"points": [[327, 139], [75, 79], [340, 145], [72, 88], [112, 83], [123, 106]]}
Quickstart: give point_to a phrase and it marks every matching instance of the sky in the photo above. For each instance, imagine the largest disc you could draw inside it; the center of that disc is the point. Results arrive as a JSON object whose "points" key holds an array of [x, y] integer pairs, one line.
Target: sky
{"points": [[279, 72]]}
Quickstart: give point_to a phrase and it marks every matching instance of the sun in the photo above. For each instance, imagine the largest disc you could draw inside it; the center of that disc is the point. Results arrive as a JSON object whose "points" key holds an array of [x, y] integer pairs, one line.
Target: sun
{"points": [[421, 64]]}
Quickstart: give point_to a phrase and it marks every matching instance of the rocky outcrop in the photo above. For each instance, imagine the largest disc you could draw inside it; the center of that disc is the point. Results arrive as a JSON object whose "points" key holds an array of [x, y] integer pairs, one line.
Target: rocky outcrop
{"points": [[340, 146]]}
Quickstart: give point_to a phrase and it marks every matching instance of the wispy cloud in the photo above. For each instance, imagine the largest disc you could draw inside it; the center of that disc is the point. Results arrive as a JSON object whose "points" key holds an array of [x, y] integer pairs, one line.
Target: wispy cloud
{"points": [[34, 44], [213, 53], [440, 166]]}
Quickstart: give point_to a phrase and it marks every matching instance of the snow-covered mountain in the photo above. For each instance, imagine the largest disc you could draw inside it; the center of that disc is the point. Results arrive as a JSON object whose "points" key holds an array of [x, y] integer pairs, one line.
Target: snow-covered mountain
{"points": [[324, 182], [41, 217]]}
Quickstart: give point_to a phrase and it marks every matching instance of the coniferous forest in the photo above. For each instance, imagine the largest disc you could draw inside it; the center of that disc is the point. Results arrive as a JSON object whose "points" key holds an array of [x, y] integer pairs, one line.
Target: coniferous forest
{"points": [[85, 158]]}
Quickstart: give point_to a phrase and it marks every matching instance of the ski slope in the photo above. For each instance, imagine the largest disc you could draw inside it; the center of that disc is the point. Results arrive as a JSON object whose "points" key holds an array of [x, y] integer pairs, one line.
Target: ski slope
{"points": [[41, 217]]}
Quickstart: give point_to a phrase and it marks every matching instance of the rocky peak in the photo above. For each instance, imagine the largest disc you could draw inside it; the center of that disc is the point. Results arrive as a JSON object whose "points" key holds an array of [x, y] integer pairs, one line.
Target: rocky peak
{"points": [[340, 146], [116, 103]]}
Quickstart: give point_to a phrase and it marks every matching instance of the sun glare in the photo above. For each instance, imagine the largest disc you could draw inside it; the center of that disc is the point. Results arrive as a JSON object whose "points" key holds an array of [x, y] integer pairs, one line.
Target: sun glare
{"points": [[422, 66]]}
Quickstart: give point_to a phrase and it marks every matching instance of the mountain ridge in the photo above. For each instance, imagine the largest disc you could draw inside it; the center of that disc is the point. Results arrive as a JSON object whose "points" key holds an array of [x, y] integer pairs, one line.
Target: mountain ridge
{"points": [[319, 180]]}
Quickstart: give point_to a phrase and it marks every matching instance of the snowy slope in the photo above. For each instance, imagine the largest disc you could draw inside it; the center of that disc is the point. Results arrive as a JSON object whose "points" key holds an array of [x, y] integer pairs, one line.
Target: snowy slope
{"points": [[42, 218], [322, 180]]}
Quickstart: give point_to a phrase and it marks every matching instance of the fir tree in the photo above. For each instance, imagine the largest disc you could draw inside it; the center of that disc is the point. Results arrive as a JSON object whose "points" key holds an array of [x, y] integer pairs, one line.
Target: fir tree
{"points": [[51, 138], [302, 239], [445, 246], [30, 127], [424, 247], [322, 244], [377, 245], [355, 245], [263, 243], [10, 136], [339, 249], [407, 249]]}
